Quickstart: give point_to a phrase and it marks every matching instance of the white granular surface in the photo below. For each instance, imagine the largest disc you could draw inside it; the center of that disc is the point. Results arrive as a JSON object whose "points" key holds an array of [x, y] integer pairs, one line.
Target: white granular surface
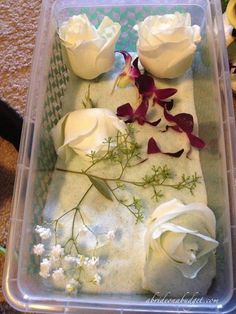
{"points": [[122, 260]]}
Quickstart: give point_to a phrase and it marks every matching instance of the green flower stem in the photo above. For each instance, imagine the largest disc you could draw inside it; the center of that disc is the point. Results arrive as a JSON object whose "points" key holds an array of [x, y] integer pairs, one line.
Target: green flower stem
{"points": [[77, 210], [120, 201]]}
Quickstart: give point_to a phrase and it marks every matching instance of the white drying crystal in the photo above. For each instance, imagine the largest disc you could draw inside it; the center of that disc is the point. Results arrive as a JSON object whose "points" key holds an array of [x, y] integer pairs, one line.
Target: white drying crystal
{"points": [[38, 249], [97, 279], [44, 233], [72, 286], [45, 266]]}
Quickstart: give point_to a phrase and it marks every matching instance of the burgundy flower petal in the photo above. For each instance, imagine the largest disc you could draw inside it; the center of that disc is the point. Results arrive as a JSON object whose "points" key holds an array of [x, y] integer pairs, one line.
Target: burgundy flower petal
{"points": [[145, 85], [142, 109], [184, 121], [152, 147], [175, 128], [154, 123], [166, 104], [196, 141], [169, 117], [165, 93], [135, 63], [125, 111], [126, 56], [176, 154]]}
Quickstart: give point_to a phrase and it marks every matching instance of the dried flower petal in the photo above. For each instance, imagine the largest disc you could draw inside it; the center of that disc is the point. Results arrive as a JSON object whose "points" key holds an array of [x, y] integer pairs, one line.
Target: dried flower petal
{"points": [[154, 149], [184, 123], [147, 88], [196, 141], [126, 111]]}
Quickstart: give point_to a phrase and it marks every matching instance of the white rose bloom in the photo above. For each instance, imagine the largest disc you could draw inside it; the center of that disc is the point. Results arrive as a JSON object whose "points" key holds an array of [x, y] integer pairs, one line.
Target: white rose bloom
{"points": [[167, 43], [44, 233], [180, 247], [45, 267], [84, 131], [90, 50], [38, 249]]}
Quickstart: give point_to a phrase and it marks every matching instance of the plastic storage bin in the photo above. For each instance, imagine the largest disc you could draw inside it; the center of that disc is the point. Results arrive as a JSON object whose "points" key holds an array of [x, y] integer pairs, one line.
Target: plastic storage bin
{"points": [[49, 80]]}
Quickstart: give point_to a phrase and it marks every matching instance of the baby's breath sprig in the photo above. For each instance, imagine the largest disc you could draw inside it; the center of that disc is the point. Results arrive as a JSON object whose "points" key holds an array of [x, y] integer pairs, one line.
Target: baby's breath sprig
{"points": [[124, 151]]}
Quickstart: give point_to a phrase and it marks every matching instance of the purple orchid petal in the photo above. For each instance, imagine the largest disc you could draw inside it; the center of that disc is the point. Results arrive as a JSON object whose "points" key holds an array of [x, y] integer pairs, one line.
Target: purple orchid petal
{"points": [[184, 121], [142, 109], [135, 63], [175, 128], [196, 141], [169, 117], [165, 93], [145, 85], [126, 56], [152, 147], [154, 123], [176, 154], [166, 104], [125, 110]]}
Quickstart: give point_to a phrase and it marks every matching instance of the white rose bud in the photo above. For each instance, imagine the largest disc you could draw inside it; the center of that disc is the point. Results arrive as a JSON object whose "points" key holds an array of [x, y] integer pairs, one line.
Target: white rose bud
{"points": [[180, 247], [90, 50], [167, 43]]}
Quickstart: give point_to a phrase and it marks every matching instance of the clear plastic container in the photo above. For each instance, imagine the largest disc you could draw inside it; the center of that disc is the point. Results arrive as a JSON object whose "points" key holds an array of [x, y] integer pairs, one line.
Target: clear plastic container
{"points": [[49, 80]]}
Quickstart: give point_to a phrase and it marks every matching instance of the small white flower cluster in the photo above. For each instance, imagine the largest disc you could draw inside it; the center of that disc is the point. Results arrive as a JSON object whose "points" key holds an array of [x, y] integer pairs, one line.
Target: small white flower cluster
{"points": [[59, 267], [44, 233]]}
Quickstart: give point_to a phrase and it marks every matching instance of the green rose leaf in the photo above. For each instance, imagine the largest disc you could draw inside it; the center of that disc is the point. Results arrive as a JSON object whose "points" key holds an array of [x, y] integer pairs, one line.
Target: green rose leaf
{"points": [[101, 186]]}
